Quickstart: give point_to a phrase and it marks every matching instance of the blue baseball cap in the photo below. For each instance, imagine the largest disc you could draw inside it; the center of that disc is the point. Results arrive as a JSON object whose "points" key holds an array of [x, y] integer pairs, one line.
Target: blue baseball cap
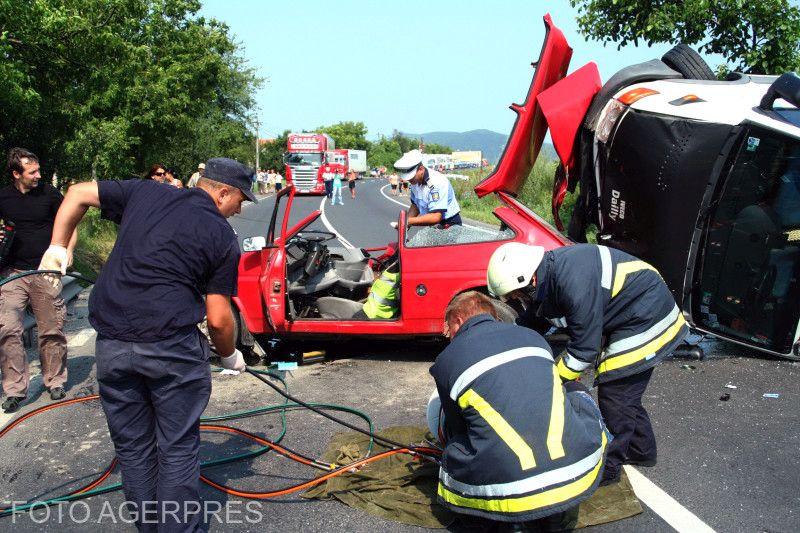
{"points": [[231, 172]]}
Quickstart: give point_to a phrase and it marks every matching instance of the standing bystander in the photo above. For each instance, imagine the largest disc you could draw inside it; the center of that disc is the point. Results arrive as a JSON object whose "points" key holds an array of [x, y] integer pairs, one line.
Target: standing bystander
{"points": [[201, 168], [31, 204]]}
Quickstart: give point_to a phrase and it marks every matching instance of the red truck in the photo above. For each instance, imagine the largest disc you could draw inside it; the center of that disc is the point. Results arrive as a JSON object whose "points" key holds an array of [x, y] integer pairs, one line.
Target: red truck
{"points": [[304, 157], [287, 273]]}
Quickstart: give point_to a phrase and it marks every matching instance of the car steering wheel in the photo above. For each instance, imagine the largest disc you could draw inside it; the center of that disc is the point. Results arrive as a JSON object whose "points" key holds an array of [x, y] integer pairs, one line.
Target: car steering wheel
{"points": [[315, 236]]}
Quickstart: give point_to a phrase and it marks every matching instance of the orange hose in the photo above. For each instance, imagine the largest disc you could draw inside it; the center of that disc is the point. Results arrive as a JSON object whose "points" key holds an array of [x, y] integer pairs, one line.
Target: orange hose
{"points": [[226, 429]]}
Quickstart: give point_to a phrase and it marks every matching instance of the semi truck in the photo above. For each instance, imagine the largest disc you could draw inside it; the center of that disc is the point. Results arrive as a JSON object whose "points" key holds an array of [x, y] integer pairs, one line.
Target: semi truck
{"points": [[355, 160], [305, 154]]}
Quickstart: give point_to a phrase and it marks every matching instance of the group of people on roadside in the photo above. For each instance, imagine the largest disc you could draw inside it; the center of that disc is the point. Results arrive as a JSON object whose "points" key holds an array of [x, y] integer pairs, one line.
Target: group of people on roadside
{"points": [[268, 180]]}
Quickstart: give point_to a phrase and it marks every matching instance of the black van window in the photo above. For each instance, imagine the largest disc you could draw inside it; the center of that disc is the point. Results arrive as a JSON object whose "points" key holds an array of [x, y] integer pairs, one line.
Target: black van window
{"points": [[749, 268]]}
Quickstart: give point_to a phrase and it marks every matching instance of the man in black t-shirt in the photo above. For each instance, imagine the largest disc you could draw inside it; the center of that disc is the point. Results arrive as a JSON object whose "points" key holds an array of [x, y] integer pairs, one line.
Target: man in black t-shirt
{"points": [[31, 204], [174, 247]]}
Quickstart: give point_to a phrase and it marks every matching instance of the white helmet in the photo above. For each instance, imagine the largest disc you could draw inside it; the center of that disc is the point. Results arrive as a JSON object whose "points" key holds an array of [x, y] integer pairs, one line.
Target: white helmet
{"points": [[512, 267]]}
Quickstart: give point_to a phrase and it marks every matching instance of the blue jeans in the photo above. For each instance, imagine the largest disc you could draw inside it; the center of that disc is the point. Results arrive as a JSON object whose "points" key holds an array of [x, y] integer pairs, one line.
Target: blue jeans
{"points": [[153, 395], [337, 192]]}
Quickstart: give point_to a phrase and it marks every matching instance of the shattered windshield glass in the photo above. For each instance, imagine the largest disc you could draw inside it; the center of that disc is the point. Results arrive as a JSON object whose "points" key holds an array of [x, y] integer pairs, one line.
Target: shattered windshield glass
{"points": [[431, 236]]}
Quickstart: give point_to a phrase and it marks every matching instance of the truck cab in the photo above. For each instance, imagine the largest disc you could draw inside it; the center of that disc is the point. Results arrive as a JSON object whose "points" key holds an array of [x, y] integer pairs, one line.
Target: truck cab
{"points": [[304, 158]]}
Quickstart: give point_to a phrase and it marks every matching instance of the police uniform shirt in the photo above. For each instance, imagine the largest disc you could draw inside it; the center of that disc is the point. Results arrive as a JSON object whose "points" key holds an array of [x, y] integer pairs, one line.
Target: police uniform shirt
{"points": [[436, 194], [33, 214], [173, 247]]}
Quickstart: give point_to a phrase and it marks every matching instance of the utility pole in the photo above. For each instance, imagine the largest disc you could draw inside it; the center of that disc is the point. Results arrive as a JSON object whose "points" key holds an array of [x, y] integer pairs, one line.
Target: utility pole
{"points": [[257, 144]]}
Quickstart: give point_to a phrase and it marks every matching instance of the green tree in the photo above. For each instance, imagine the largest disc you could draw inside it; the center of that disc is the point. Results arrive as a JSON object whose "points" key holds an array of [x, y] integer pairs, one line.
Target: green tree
{"points": [[433, 148], [352, 135], [271, 154], [759, 37], [383, 153], [103, 88]]}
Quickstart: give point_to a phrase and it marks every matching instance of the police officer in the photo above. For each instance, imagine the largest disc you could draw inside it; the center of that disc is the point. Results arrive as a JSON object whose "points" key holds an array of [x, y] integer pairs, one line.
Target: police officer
{"points": [[174, 247], [433, 200], [621, 319], [519, 446]]}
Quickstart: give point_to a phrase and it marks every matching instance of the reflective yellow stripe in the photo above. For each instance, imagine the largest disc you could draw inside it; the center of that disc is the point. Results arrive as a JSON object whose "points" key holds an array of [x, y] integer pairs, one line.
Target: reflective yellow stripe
{"points": [[619, 361], [528, 503], [555, 433], [500, 426], [623, 269], [566, 372]]}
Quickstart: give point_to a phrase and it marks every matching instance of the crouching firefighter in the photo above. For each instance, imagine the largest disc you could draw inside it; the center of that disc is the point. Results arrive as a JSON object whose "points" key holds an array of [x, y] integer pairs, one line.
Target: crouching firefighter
{"points": [[621, 319], [519, 445]]}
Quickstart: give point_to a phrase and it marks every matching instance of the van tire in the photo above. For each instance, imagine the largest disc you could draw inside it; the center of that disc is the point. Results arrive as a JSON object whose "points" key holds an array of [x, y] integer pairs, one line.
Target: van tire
{"points": [[685, 60]]}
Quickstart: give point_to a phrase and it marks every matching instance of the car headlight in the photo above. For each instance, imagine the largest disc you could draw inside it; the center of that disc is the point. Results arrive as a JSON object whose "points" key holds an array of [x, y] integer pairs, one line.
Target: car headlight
{"points": [[608, 119]]}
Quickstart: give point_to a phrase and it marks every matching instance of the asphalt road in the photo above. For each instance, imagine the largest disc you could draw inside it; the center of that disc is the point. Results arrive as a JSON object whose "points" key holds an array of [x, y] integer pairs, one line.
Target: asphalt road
{"points": [[733, 465]]}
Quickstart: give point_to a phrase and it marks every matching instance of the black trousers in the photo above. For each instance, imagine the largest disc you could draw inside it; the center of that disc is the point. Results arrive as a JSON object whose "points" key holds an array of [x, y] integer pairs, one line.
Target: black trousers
{"points": [[153, 395], [621, 405]]}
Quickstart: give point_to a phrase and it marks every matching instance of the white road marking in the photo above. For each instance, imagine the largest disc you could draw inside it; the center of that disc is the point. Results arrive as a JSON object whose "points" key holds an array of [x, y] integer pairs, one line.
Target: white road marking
{"points": [[330, 227], [383, 192], [661, 503]]}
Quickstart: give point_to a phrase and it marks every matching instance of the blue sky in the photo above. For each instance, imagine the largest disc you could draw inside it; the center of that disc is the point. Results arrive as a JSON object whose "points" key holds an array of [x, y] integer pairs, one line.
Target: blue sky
{"points": [[416, 66]]}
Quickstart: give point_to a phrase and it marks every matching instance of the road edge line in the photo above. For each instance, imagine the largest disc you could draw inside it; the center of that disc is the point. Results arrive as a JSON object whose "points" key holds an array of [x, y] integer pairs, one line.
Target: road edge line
{"points": [[665, 506]]}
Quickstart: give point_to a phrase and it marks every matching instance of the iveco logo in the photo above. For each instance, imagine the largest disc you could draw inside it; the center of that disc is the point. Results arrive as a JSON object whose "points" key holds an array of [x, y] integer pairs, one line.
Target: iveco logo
{"points": [[617, 206]]}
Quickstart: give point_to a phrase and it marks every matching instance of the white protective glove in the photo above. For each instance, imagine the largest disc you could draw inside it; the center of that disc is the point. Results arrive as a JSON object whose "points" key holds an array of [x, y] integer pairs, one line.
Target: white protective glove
{"points": [[393, 224], [55, 258], [234, 361]]}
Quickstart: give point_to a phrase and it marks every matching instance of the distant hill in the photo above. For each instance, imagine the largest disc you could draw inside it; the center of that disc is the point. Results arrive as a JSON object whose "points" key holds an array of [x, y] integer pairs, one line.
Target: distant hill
{"points": [[489, 142]]}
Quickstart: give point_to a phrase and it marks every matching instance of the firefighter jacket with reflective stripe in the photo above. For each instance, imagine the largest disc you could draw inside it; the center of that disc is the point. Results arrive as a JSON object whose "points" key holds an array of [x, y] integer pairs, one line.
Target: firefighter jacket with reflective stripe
{"points": [[382, 301], [517, 446], [602, 293]]}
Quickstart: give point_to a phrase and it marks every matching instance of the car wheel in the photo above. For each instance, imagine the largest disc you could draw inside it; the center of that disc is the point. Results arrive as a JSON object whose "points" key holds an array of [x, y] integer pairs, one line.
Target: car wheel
{"points": [[685, 60], [244, 340], [505, 313]]}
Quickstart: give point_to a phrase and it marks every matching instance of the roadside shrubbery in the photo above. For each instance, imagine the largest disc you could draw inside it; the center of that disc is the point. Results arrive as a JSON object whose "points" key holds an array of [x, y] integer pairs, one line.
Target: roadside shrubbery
{"points": [[96, 238], [536, 194]]}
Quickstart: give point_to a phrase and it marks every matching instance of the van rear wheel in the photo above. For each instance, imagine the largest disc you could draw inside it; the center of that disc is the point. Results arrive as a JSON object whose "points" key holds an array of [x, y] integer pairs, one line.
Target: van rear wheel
{"points": [[685, 60]]}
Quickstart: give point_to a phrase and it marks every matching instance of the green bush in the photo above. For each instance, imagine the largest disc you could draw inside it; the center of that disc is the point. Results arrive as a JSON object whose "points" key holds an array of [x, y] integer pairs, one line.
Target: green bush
{"points": [[96, 238], [536, 194]]}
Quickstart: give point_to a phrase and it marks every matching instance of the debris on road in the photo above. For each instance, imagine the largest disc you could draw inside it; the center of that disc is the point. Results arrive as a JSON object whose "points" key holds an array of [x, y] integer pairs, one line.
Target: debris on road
{"points": [[771, 395], [688, 367], [729, 386], [725, 397]]}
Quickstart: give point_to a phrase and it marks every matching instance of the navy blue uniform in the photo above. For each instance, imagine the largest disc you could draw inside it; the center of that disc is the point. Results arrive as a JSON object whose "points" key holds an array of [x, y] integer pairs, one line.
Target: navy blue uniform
{"points": [[519, 447], [173, 247], [622, 320]]}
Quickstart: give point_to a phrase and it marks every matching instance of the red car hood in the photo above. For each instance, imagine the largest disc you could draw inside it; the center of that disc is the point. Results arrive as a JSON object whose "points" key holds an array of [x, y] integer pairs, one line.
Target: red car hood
{"points": [[530, 127]]}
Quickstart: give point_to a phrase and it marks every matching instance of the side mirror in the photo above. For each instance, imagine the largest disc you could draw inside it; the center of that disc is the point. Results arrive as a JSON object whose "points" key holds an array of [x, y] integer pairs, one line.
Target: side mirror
{"points": [[254, 244]]}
